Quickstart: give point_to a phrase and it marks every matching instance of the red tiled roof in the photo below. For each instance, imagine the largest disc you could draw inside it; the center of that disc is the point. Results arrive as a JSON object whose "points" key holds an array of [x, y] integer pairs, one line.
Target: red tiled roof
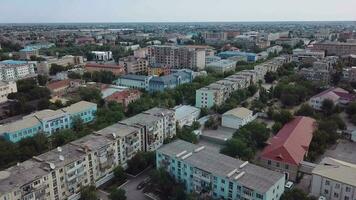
{"points": [[58, 84], [292, 142], [122, 94]]}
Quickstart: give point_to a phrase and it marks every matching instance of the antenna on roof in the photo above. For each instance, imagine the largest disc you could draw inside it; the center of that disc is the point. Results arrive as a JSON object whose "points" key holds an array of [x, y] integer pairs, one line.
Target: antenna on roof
{"points": [[59, 149], [52, 166], [61, 158]]}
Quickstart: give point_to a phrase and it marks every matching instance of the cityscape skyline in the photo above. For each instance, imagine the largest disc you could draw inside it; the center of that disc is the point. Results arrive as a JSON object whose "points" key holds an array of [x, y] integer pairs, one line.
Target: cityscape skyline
{"points": [[42, 11]]}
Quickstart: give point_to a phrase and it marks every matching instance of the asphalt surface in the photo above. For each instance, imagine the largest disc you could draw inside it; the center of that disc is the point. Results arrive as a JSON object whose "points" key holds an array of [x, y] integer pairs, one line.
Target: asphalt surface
{"points": [[130, 187]]}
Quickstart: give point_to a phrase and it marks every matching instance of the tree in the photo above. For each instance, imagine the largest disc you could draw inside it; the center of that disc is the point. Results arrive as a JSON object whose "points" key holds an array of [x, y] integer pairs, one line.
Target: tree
{"points": [[283, 116], [88, 193], [270, 77], [120, 174], [78, 124], [305, 110], [90, 94], [42, 80], [276, 127], [238, 149], [296, 194], [351, 108], [56, 69], [212, 123], [327, 106], [117, 194]]}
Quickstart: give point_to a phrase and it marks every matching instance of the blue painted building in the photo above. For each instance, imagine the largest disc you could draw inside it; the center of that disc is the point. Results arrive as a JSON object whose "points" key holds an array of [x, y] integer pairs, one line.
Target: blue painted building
{"points": [[156, 83], [207, 172], [250, 57], [48, 121]]}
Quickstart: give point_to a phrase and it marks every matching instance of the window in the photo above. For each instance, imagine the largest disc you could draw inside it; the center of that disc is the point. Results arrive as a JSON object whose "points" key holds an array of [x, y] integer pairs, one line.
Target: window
{"points": [[259, 196], [337, 186], [336, 195], [348, 189], [326, 191], [269, 162], [327, 182], [286, 166], [277, 164]]}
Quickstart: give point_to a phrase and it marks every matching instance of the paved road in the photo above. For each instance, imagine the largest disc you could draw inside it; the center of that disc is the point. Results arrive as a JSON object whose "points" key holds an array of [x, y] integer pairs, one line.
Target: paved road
{"points": [[103, 195], [130, 187]]}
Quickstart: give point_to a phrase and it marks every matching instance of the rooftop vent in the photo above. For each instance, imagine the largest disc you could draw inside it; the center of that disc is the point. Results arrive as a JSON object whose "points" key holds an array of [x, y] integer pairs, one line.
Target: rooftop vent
{"points": [[59, 149], [186, 156], [232, 173], [180, 154], [243, 164], [199, 149], [113, 135], [239, 175], [52, 166], [61, 158]]}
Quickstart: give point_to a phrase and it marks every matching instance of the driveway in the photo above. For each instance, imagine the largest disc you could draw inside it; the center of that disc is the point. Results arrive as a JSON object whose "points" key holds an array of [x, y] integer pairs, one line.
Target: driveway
{"points": [[130, 187]]}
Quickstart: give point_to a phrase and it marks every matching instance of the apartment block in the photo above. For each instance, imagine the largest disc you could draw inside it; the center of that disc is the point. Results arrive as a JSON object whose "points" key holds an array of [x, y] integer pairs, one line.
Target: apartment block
{"points": [[349, 74], [176, 56], [169, 120], [209, 173], [336, 48], [48, 121], [222, 66], [7, 88], [12, 70], [102, 55]]}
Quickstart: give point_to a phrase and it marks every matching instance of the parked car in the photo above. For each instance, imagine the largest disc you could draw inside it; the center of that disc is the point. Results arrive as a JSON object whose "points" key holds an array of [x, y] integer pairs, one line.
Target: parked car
{"points": [[322, 198], [143, 183]]}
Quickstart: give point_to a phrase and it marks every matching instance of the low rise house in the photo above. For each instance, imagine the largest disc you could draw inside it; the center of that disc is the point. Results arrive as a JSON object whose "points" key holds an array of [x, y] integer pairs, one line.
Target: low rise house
{"points": [[209, 173], [115, 69], [58, 88], [338, 95], [222, 66], [48, 121], [286, 150], [186, 115], [236, 118], [334, 179]]}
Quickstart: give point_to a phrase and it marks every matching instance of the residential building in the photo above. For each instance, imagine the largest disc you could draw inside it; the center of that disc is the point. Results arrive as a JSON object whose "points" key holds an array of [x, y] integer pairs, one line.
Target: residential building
{"points": [[215, 36], [134, 65], [211, 59], [275, 49], [141, 53], [158, 70], [336, 48], [102, 55], [48, 121], [204, 171], [129, 141], [349, 74], [176, 56], [186, 115], [12, 70], [134, 81], [222, 66], [339, 96], [169, 120], [304, 55], [334, 179], [43, 67], [58, 88], [115, 69], [210, 95], [287, 41], [285, 151], [320, 72], [7, 88], [151, 128], [124, 97], [237, 117]]}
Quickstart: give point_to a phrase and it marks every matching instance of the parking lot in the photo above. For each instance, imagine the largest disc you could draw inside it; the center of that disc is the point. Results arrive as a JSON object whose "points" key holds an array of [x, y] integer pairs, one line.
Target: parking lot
{"points": [[344, 150], [132, 193]]}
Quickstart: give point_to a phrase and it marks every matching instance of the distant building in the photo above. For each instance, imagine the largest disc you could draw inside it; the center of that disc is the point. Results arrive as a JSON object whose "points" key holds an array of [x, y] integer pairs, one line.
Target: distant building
{"points": [[307, 55], [218, 176], [337, 95], [141, 53], [28, 52], [15, 70], [43, 67], [134, 65], [48, 121], [61, 87], [334, 179], [237, 117], [124, 97], [102, 55], [156, 83], [215, 36], [158, 70], [84, 40], [211, 59], [249, 57], [336, 48], [177, 56], [320, 72], [222, 66], [115, 69], [186, 115], [287, 149], [7, 88], [349, 74]]}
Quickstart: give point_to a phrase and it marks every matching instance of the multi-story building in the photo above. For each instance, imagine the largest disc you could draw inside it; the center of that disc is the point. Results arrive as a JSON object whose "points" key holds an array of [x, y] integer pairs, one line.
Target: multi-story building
{"points": [[336, 48], [115, 69], [211, 59], [349, 74], [207, 172], [15, 70], [27, 52], [169, 120], [158, 70], [151, 128], [237, 117], [215, 36], [249, 57], [124, 97], [102, 55], [43, 67], [321, 72], [134, 65], [307, 55], [186, 115], [222, 66], [287, 149], [48, 121], [209, 96], [176, 56], [7, 88], [334, 179]]}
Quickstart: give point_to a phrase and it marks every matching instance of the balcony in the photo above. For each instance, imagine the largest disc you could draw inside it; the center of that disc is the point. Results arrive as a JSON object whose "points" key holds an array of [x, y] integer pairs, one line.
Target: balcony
{"points": [[201, 178], [73, 169]]}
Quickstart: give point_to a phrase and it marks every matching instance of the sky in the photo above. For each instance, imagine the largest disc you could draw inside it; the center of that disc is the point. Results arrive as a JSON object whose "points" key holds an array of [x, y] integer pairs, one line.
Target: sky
{"points": [[39, 11]]}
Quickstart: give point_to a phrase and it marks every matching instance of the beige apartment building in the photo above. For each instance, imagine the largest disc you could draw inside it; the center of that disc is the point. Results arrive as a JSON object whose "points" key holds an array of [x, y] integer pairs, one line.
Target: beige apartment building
{"points": [[7, 88]]}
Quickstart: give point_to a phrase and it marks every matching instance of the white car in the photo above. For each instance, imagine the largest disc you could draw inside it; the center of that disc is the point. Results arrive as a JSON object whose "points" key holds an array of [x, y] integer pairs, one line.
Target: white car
{"points": [[322, 198], [289, 185]]}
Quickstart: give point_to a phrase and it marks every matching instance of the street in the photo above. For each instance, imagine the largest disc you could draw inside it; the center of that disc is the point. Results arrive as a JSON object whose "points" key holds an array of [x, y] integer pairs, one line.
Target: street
{"points": [[130, 187]]}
